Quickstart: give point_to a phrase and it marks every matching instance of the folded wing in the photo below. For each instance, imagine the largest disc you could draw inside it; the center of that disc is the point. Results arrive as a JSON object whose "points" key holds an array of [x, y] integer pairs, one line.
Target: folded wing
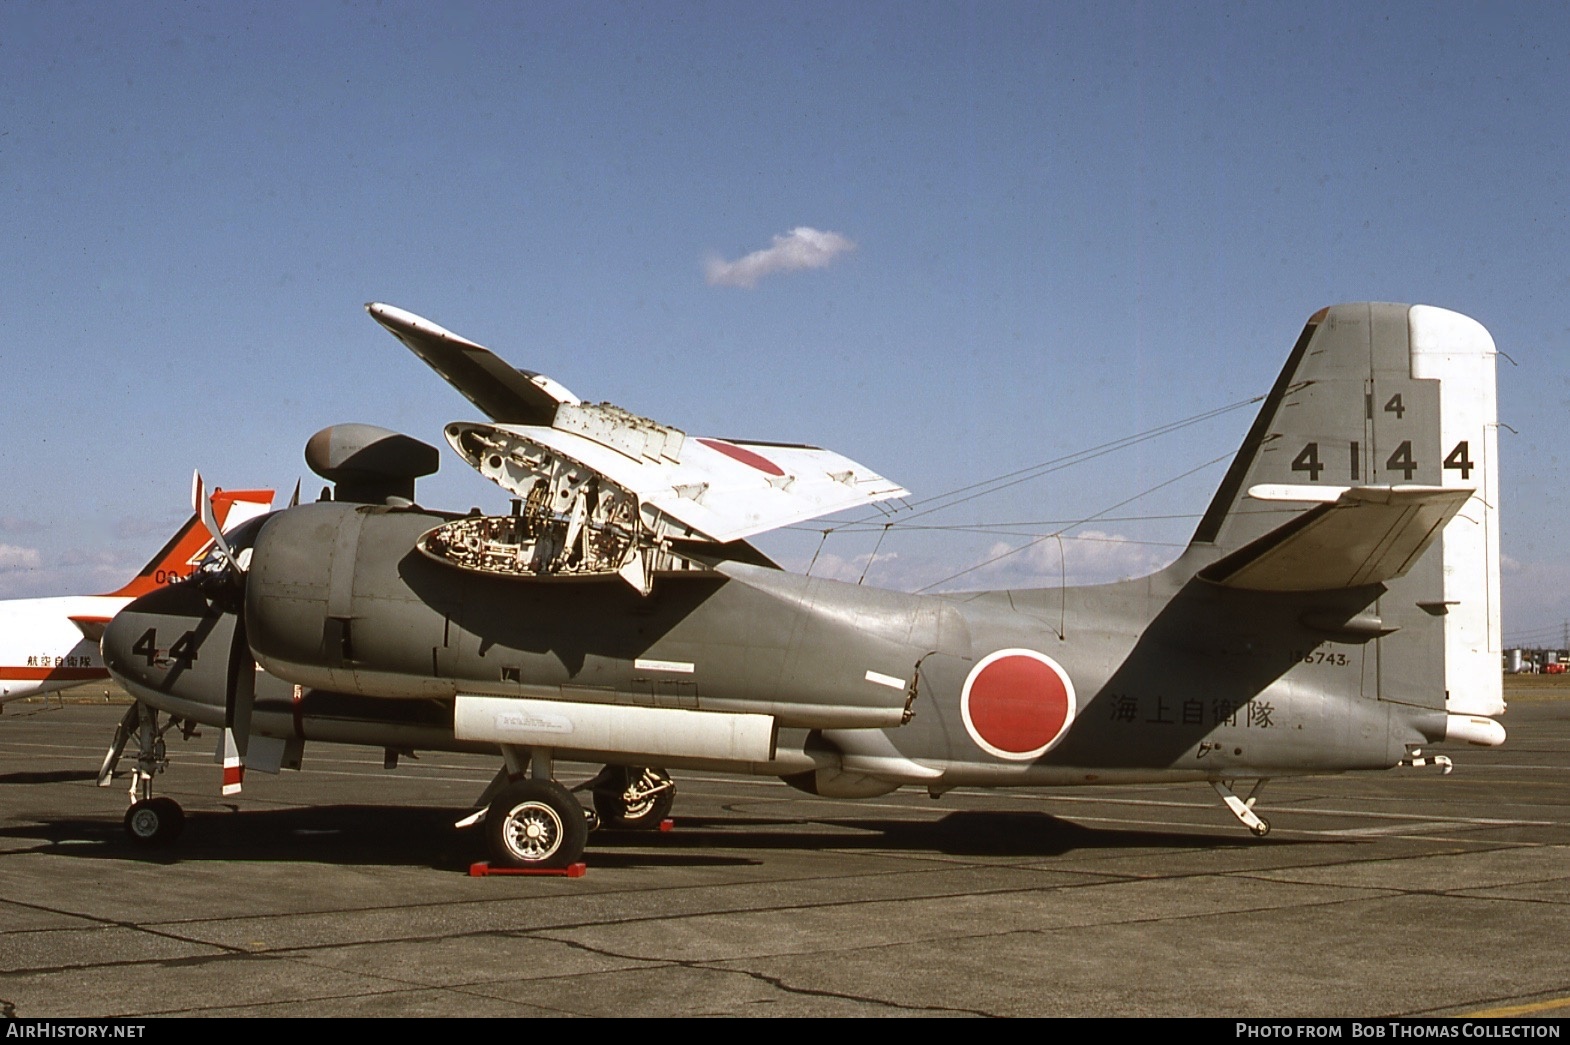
{"points": [[547, 441], [502, 392]]}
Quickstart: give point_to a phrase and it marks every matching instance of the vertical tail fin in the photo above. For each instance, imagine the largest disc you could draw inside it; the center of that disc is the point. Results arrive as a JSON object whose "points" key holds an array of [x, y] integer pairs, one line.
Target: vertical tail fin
{"points": [[179, 556], [1375, 397]]}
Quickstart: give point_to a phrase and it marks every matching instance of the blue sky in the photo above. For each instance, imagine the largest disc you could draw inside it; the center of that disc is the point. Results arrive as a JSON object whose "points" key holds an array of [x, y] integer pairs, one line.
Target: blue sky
{"points": [[1070, 223]]}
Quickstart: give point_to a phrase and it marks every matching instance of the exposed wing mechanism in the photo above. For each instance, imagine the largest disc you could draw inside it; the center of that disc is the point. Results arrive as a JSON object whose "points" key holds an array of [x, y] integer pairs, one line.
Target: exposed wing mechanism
{"points": [[719, 489], [604, 491], [1357, 535]]}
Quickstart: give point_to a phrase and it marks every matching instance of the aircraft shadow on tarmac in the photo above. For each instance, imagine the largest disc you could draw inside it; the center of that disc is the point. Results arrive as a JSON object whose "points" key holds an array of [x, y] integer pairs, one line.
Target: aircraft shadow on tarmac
{"points": [[53, 776], [334, 834], [416, 836], [964, 833]]}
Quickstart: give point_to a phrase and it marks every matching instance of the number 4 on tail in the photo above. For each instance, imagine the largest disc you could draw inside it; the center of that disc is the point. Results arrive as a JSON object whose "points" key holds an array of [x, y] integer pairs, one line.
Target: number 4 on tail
{"points": [[1459, 459]]}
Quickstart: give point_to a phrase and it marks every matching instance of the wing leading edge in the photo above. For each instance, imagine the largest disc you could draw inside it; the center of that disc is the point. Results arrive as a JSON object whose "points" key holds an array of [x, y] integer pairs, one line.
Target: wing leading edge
{"points": [[501, 392]]}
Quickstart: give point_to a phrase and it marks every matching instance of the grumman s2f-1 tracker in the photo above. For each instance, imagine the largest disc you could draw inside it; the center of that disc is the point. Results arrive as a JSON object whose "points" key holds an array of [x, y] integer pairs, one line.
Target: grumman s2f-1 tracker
{"points": [[1337, 608]]}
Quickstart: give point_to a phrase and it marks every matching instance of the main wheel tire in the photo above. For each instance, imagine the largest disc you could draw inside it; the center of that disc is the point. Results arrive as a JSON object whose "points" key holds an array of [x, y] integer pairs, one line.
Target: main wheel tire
{"points": [[535, 823], [154, 821], [642, 814]]}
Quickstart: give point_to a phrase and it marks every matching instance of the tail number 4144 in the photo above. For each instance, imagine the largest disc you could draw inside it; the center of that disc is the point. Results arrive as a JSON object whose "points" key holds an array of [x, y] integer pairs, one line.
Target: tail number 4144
{"points": [[1458, 459]]}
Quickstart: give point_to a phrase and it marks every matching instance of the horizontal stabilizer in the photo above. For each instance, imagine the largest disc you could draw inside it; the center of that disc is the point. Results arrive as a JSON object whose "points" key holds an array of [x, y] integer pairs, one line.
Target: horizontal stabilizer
{"points": [[91, 627], [1366, 535]]}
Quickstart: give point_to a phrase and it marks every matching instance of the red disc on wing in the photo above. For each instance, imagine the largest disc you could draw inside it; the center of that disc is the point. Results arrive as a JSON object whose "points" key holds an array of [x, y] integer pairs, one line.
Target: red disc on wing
{"points": [[1018, 704], [744, 455]]}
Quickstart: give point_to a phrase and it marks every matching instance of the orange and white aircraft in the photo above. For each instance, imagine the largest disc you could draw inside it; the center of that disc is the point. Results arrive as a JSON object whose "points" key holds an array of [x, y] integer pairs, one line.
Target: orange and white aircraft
{"points": [[52, 643]]}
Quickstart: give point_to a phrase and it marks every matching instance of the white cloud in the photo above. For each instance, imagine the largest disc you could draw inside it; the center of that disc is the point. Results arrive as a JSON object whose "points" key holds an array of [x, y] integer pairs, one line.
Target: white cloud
{"points": [[801, 248], [27, 573], [14, 558], [839, 568], [1086, 557]]}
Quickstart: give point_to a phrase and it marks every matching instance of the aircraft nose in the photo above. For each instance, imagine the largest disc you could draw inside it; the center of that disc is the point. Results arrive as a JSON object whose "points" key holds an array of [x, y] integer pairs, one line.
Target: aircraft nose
{"points": [[118, 638], [170, 650], [115, 644]]}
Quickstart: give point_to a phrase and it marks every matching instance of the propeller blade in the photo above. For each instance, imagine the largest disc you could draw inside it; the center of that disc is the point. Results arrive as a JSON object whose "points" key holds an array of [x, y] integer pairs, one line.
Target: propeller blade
{"points": [[234, 766], [203, 506], [294, 500], [239, 699]]}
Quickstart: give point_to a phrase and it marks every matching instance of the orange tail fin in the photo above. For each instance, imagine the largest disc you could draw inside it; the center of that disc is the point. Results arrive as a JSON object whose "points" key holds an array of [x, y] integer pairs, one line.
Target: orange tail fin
{"points": [[178, 558]]}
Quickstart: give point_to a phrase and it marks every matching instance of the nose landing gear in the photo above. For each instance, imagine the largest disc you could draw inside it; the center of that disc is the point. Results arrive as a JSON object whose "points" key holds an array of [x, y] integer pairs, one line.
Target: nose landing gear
{"points": [[149, 821], [154, 821]]}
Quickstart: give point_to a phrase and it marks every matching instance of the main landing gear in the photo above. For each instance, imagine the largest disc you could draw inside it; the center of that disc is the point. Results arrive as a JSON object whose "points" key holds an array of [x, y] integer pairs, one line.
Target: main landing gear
{"points": [[536, 823], [150, 821], [632, 798], [532, 822]]}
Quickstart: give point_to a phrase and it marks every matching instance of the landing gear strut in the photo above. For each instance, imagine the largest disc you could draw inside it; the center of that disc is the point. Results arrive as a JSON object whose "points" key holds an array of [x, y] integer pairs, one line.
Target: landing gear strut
{"points": [[1243, 808], [150, 821]]}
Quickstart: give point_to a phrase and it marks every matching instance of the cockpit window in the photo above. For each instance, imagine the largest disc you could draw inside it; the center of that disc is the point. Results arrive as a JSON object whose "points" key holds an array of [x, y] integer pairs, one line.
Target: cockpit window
{"points": [[244, 535], [241, 540]]}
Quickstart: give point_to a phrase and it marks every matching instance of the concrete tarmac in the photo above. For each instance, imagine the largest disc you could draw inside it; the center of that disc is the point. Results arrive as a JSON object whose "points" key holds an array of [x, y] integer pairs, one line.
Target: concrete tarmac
{"points": [[343, 890]]}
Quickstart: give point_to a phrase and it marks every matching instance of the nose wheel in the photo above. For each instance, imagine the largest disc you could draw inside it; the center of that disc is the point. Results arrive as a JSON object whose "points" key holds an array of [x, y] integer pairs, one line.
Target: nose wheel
{"points": [[154, 821]]}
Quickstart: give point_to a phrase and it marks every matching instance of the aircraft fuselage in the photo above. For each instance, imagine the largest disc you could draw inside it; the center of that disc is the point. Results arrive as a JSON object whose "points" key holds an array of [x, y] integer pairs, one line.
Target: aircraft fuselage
{"points": [[1155, 679]]}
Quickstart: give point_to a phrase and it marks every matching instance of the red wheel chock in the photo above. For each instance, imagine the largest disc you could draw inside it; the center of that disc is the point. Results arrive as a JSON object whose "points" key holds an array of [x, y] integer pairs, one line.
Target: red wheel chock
{"points": [[483, 869]]}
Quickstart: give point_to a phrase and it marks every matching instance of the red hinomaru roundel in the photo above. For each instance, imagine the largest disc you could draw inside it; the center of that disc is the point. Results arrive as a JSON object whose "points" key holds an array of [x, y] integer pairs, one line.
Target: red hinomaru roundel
{"points": [[1017, 703]]}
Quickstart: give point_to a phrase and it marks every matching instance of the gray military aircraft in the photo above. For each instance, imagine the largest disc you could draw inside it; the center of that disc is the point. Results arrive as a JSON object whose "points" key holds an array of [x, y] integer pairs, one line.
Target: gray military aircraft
{"points": [[1337, 608]]}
